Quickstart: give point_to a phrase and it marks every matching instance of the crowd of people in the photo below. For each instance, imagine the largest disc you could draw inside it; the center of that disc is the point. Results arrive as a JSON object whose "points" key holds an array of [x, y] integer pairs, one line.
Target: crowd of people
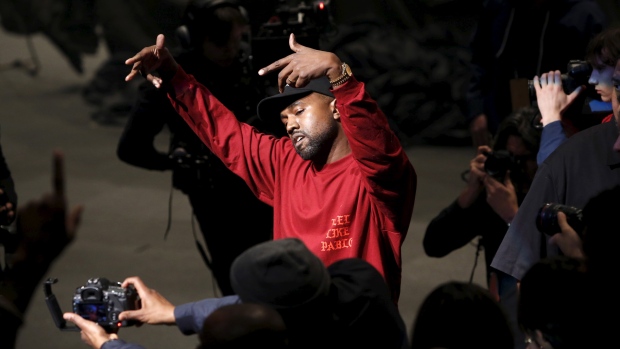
{"points": [[338, 191]]}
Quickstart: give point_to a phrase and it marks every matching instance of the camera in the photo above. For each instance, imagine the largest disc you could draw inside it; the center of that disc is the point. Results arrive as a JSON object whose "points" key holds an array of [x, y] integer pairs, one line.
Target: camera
{"points": [[577, 74], [100, 300], [547, 218], [191, 164], [498, 163]]}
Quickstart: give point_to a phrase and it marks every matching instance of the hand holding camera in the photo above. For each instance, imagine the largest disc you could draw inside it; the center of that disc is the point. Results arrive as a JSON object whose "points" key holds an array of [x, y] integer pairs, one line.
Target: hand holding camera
{"points": [[547, 219], [501, 194], [92, 334], [552, 96], [154, 310], [474, 177], [568, 240], [99, 301]]}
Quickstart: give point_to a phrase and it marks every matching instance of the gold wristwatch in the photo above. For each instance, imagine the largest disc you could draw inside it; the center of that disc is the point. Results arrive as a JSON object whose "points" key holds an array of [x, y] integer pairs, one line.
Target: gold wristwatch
{"points": [[346, 74]]}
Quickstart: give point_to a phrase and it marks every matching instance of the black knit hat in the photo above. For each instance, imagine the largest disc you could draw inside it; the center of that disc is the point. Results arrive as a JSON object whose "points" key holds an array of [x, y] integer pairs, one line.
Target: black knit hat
{"points": [[281, 273], [270, 107]]}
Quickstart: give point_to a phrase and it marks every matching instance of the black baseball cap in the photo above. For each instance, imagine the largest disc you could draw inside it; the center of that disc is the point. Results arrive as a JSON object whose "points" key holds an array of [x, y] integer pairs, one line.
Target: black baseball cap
{"points": [[270, 107], [281, 273]]}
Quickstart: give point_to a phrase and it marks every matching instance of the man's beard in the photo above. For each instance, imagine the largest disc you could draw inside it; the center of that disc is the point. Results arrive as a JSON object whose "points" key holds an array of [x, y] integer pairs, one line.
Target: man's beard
{"points": [[311, 150], [316, 146]]}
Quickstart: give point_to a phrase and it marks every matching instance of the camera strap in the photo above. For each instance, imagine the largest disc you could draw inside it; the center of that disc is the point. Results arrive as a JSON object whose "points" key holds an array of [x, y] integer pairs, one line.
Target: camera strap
{"points": [[201, 249], [479, 247]]}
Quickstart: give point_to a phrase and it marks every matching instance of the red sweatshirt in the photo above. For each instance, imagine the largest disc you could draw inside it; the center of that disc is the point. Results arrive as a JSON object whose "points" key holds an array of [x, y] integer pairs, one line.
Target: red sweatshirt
{"points": [[359, 206]]}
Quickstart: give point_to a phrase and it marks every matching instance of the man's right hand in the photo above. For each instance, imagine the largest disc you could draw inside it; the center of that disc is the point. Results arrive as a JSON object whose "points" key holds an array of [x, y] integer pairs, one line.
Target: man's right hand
{"points": [[475, 178], [150, 59], [567, 239], [551, 98], [91, 333], [154, 310]]}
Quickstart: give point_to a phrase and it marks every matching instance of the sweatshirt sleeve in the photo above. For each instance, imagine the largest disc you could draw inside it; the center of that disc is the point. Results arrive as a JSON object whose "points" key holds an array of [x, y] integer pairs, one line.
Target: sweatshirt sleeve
{"points": [[190, 316], [389, 175], [250, 154], [552, 136], [120, 344]]}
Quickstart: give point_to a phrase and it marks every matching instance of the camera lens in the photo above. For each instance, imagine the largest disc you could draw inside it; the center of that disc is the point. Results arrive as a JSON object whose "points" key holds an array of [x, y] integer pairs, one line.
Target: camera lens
{"points": [[547, 218]]}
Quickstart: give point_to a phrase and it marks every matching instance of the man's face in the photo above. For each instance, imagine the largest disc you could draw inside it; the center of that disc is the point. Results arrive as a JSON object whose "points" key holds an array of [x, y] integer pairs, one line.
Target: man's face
{"points": [[615, 102], [226, 54], [311, 124]]}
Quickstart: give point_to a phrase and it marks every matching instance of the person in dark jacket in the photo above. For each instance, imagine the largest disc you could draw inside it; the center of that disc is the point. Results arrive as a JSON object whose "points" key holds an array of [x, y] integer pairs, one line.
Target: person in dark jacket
{"points": [[516, 40], [216, 56], [486, 206]]}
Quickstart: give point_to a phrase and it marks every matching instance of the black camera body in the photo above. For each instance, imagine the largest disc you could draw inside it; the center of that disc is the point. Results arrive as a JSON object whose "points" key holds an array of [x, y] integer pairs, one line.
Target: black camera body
{"points": [[99, 300], [309, 20], [191, 163], [547, 218], [102, 301], [577, 74], [498, 163]]}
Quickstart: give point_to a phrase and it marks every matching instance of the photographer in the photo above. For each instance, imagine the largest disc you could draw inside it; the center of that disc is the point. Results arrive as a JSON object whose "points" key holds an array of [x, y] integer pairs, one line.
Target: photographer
{"points": [[496, 185], [344, 305], [212, 34], [581, 167], [555, 104], [515, 40]]}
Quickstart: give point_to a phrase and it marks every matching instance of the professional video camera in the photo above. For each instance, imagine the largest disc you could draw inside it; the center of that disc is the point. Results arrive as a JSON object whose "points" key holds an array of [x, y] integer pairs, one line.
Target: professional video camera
{"points": [[308, 20], [190, 163], [587, 109], [99, 300], [547, 218], [577, 74]]}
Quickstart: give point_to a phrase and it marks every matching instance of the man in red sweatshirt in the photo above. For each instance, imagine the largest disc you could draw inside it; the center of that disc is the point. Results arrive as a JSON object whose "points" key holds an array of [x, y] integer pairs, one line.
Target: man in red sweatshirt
{"points": [[341, 182]]}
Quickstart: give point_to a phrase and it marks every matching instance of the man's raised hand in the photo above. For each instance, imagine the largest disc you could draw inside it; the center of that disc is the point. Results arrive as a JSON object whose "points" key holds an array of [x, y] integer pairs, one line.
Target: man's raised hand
{"points": [[151, 59], [305, 64]]}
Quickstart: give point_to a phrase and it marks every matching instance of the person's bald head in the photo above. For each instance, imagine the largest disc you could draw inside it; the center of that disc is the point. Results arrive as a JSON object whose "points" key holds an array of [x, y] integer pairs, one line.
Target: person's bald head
{"points": [[243, 325]]}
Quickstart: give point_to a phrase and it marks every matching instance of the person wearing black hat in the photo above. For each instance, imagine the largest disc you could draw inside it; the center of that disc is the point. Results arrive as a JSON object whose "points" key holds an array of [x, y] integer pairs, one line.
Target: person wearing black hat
{"points": [[341, 181], [344, 305]]}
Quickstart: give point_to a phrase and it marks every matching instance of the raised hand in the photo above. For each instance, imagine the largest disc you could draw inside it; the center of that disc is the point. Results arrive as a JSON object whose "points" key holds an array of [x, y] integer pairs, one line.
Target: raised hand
{"points": [[154, 309], [43, 231], [151, 59], [44, 226], [305, 64], [551, 98]]}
